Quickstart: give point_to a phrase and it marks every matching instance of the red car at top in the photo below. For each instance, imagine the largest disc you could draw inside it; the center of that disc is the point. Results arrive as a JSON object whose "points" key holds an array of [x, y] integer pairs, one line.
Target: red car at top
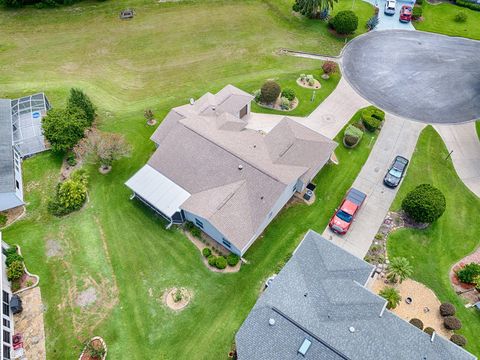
{"points": [[406, 13], [344, 215]]}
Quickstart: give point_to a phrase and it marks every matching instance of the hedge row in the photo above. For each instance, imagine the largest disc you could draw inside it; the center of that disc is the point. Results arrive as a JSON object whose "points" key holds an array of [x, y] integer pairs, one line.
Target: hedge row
{"points": [[468, 4]]}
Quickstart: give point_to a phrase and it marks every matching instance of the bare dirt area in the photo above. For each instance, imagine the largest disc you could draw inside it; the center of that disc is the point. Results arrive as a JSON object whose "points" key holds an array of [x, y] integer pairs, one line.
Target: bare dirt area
{"points": [[12, 215], [87, 297], [424, 304], [177, 299], [53, 248]]}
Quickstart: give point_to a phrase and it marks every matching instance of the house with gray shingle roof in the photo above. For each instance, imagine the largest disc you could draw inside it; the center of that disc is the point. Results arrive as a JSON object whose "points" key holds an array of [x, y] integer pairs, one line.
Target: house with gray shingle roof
{"points": [[20, 136], [318, 307], [228, 180]]}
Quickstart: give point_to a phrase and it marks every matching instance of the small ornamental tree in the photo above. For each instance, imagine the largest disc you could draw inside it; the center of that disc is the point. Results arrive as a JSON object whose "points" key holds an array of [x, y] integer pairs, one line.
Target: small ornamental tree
{"points": [[63, 128], [447, 309], [424, 204], [345, 22], [399, 269], [270, 92], [392, 296], [329, 67], [417, 323], [458, 340], [78, 99], [452, 323]]}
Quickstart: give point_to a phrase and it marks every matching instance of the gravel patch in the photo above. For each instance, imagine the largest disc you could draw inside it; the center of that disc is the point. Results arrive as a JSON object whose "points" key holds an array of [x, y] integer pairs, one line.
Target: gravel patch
{"points": [[87, 297]]}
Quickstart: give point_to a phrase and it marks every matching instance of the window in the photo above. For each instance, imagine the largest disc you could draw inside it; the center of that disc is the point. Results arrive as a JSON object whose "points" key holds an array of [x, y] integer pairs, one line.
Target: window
{"points": [[6, 336], [6, 323], [6, 352], [6, 297], [6, 309], [17, 184], [199, 223], [226, 242], [294, 188], [243, 111]]}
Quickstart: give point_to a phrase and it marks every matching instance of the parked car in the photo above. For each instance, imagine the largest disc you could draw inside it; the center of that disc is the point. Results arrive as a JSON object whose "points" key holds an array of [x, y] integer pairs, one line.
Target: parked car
{"points": [[390, 7], [396, 172], [343, 217], [405, 13]]}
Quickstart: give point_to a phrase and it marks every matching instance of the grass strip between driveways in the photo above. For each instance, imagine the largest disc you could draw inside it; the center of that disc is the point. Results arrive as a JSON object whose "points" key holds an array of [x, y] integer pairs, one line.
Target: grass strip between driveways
{"points": [[433, 251]]}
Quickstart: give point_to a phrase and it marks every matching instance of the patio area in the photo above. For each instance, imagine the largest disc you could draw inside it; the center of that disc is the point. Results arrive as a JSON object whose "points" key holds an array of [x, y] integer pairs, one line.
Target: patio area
{"points": [[424, 304]]}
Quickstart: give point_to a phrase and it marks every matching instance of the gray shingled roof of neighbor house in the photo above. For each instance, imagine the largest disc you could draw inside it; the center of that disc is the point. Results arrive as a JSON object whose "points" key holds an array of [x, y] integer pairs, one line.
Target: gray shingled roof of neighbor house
{"points": [[234, 175], [7, 176], [320, 296]]}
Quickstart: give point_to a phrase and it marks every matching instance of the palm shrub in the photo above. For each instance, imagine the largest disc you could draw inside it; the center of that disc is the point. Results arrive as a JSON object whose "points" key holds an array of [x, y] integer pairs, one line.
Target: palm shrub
{"points": [[344, 22], [447, 309], [424, 204], [458, 340], [452, 323], [417, 323], [270, 92], [392, 296], [399, 269]]}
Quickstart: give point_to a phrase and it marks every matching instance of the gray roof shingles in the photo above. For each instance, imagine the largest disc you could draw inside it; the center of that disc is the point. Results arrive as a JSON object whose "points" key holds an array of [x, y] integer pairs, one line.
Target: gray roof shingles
{"points": [[7, 176], [320, 295]]}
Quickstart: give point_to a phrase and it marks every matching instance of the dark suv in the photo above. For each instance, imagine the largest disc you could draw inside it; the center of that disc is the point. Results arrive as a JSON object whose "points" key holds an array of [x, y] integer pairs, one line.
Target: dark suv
{"points": [[396, 172]]}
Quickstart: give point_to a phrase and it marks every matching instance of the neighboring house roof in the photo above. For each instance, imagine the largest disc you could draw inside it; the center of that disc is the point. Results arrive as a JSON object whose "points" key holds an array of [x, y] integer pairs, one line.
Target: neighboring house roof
{"points": [[320, 296], [234, 175], [7, 175]]}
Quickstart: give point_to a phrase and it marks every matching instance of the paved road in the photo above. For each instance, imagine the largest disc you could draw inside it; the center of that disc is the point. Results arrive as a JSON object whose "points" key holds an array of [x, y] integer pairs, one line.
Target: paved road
{"points": [[463, 140], [397, 137], [423, 76]]}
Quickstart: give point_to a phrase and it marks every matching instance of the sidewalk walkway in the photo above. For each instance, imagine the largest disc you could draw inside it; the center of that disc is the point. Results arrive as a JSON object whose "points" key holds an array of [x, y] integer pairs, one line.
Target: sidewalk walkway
{"points": [[397, 137], [463, 141]]}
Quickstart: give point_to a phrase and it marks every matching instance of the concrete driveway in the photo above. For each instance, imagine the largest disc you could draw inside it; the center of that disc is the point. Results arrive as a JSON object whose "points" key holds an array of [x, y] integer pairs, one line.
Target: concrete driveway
{"points": [[422, 76], [397, 137], [387, 22]]}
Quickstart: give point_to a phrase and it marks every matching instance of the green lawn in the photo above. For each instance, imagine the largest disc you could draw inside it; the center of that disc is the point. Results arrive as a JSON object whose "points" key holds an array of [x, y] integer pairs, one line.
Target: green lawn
{"points": [[477, 126], [440, 19], [306, 105], [433, 251]]}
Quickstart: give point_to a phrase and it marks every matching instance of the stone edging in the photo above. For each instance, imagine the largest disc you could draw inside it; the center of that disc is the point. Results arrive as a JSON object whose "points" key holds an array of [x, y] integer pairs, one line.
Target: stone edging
{"points": [[37, 278], [103, 344]]}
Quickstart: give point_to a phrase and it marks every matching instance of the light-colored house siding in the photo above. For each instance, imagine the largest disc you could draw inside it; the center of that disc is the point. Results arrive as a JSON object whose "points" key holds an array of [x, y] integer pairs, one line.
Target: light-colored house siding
{"points": [[5, 287]]}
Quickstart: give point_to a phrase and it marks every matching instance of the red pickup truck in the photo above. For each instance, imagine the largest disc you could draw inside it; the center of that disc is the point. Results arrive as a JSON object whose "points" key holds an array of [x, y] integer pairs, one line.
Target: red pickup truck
{"points": [[343, 217]]}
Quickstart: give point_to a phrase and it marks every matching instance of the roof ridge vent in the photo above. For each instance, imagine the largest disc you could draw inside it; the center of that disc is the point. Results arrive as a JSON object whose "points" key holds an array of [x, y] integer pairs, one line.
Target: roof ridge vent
{"points": [[351, 329]]}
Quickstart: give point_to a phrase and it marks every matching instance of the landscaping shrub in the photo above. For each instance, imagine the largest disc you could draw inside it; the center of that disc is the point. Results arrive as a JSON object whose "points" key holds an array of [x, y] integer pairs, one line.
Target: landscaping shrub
{"points": [[71, 159], [78, 99], [452, 323], [14, 256], [284, 103], [419, 2], [15, 271], [468, 273], [233, 259], [359, 125], [399, 269], [70, 195], [196, 232], [345, 22], [212, 260], [206, 252], [3, 219], [429, 330], [288, 93], [392, 296], [468, 4], [417, 323], [417, 12], [351, 140], [270, 92], [458, 340], [354, 131], [372, 118], [257, 94], [461, 17], [447, 309], [424, 204], [221, 262], [329, 67]]}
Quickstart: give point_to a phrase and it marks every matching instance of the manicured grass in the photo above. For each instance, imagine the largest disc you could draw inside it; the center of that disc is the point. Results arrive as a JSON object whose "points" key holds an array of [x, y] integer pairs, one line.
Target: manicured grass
{"points": [[433, 251], [440, 19], [305, 106], [477, 126]]}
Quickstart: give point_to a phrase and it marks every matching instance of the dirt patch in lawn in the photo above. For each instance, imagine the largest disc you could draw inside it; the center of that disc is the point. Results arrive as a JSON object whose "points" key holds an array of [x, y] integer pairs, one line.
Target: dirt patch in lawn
{"points": [[424, 303], [177, 299], [12, 215], [87, 297], [53, 248]]}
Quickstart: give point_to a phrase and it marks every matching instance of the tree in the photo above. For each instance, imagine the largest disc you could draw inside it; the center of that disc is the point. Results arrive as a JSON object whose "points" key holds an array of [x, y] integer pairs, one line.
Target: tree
{"points": [[392, 296], [78, 99], [312, 8], [270, 92], [329, 67], [345, 22], [63, 128], [424, 204], [104, 147], [399, 269], [72, 194]]}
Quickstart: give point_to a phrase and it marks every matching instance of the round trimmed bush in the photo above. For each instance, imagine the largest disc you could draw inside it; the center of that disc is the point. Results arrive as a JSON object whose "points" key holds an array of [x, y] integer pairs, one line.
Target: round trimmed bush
{"points": [[372, 118], [345, 22], [221, 262], [15, 271], [447, 309], [350, 140], [429, 330], [424, 204], [233, 259], [288, 93], [417, 12], [212, 260], [206, 252], [270, 92], [417, 323], [452, 323], [466, 274], [458, 340], [461, 17], [329, 67]]}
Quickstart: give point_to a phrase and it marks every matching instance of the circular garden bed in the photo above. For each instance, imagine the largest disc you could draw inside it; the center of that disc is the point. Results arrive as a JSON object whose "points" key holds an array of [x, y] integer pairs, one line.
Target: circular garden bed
{"points": [[177, 299]]}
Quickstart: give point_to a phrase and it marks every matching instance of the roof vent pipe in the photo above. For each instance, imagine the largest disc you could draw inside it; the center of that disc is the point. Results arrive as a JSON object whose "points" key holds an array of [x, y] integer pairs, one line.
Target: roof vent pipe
{"points": [[432, 337], [192, 101], [240, 167], [351, 329], [271, 322]]}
